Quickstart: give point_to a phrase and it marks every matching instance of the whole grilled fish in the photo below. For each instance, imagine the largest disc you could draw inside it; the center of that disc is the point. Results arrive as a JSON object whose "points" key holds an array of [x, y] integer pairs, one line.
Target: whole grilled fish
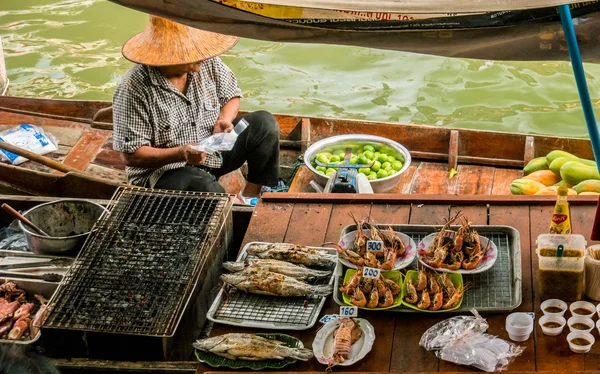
{"points": [[276, 266], [250, 347], [264, 282], [296, 254]]}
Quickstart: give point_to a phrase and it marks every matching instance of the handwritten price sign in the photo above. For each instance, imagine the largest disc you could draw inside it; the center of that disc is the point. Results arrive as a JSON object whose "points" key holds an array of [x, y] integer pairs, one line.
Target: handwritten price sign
{"points": [[374, 245], [348, 311], [371, 273]]}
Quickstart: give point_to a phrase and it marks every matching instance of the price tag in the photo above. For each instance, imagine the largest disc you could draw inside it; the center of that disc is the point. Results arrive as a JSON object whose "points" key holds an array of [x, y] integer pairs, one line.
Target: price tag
{"points": [[371, 273], [348, 311], [374, 245], [329, 317]]}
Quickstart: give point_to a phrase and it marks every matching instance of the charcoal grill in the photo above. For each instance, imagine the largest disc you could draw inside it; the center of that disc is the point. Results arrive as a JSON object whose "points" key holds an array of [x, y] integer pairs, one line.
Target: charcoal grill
{"points": [[141, 266]]}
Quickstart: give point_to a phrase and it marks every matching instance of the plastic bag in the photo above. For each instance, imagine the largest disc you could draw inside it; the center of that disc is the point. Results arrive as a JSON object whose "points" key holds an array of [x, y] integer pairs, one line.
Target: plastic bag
{"points": [[29, 137], [12, 238], [223, 141], [462, 340]]}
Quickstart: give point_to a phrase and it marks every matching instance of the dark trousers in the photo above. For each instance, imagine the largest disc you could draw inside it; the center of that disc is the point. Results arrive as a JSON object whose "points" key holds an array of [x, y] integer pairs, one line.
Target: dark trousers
{"points": [[258, 144]]}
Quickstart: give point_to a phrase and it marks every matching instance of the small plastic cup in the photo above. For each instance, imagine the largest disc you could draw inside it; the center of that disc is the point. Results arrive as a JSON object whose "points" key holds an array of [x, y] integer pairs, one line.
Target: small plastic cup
{"points": [[582, 320], [519, 326], [553, 331], [598, 310], [598, 325], [580, 335], [554, 303], [578, 308]]}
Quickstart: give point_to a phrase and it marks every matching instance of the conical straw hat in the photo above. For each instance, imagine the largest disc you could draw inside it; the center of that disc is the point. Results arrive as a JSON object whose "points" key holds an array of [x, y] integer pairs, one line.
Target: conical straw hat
{"points": [[166, 43]]}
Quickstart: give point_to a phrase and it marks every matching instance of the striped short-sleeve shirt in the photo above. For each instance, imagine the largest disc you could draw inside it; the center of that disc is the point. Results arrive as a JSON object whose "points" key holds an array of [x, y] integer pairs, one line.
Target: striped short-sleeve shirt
{"points": [[149, 111]]}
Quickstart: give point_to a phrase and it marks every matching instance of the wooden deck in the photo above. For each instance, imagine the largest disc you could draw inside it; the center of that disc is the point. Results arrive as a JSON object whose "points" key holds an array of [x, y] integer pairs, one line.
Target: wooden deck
{"points": [[312, 219]]}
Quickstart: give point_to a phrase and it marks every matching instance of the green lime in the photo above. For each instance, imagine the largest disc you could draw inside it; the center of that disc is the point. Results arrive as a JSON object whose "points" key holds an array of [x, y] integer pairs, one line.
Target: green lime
{"points": [[369, 147], [362, 159], [389, 170], [381, 174], [334, 158], [376, 154], [353, 160], [376, 166], [323, 158], [400, 157], [321, 168], [369, 155], [382, 158], [372, 176], [365, 171], [391, 159], [386, 165], [329, 171], [339, 152], [397, 165]]}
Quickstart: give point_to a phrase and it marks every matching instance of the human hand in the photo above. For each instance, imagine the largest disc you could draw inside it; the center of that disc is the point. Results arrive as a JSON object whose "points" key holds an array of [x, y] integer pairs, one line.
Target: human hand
{"points": [[222, 126], [193, 156]]}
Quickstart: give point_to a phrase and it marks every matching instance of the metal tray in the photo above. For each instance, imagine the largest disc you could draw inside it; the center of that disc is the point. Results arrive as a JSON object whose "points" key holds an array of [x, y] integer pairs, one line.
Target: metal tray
{"points": [[238, 308], [495, 290]]}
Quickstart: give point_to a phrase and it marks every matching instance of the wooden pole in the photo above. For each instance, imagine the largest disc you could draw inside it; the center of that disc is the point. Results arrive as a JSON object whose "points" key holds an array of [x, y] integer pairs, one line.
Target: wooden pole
{"points": [[37, 158]]}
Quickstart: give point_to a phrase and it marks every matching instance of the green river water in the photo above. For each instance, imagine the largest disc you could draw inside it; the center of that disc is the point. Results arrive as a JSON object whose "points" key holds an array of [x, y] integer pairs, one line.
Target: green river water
{"points": [[71, 50]]}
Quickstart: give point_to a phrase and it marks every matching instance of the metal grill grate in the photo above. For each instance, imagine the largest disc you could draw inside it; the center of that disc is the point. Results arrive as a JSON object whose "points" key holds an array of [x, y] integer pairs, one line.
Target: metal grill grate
{"points": [[136, 271]]}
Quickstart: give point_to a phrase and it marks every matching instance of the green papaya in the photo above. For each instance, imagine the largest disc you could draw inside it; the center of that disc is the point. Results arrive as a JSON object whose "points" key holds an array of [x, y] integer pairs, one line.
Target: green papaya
{"points": [[574, 172], [590, 185], [558, 163], [537, 164], [525, 187], [550, 157], [563, 183]]}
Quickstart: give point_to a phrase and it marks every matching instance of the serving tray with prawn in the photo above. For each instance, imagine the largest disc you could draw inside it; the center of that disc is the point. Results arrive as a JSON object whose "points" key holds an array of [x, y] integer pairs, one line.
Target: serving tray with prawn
{"points": [[432, 292], [457, 249], [383, 292], [498, 289], [275, 286], [397, 251]]}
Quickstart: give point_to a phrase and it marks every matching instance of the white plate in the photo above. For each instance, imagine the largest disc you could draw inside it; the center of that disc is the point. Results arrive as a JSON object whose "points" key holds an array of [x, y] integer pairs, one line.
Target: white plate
{"points": [[323, 343], [401, 262], [487, 262]]}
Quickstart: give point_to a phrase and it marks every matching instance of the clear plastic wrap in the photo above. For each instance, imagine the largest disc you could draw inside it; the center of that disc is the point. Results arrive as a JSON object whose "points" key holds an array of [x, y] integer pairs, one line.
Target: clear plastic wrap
{"points": [[222, 141], [463, 341]]}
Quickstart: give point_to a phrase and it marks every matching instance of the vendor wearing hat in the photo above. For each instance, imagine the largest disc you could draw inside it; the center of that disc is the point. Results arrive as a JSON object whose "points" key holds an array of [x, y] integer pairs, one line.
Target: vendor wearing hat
{"points": [[177, 94]]}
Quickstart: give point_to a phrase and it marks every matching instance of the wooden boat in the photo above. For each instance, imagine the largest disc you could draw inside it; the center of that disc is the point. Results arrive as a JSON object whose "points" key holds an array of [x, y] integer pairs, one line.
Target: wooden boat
{"points": [[486, 161]]}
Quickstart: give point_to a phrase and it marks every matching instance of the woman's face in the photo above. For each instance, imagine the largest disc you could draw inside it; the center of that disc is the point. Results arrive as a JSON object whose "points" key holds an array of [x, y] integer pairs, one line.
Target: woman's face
{"points": [[179, 70]]}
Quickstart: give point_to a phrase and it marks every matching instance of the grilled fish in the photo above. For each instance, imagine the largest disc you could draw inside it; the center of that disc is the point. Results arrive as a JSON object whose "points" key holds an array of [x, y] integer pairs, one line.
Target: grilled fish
{"points": [[250, 347], [296, 254], [264, 282], [276, 266]]}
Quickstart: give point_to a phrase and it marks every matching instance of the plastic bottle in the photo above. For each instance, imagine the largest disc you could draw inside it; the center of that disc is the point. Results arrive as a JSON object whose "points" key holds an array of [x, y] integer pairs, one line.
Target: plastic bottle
{"points": [[561, 221]]}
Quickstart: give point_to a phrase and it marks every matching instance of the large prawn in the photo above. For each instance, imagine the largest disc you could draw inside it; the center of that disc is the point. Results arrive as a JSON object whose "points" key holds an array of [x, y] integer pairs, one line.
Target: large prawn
{"points": [[349, 255], [360, 241], [411, 292], [343, 339], [455, 299], [354, 283]]}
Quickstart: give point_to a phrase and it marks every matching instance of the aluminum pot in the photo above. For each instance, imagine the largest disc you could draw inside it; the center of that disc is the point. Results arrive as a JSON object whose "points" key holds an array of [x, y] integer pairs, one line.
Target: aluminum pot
{"points": [[379, 185], [68, 222]]}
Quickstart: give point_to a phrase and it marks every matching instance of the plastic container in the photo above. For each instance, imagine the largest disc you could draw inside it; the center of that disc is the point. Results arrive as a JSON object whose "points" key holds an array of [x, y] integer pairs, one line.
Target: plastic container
{"points": [[592, 274], [598, 310], [561, 263], [598, 325], [580, 335], [519, 326], [576, 320], [582, 309], [550, 305], [552, 331]]}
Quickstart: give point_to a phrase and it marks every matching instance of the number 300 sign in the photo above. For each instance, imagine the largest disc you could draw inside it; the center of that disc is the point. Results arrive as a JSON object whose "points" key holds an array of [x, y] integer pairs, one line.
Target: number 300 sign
{"points": [[374, 245]]}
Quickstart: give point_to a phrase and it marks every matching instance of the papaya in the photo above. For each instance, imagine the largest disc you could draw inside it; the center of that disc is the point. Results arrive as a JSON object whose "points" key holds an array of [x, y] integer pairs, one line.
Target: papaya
{"points": [[545, 177], [574, 172], [553, 190], [563, 183], [557, 164], [590, 185], [525, 187], [538, 163], [550, 157], [589, 193]]}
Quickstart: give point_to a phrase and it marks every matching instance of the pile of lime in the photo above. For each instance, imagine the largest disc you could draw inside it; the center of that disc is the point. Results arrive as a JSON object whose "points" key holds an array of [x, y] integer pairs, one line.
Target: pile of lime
{"points": [[383, 160]]}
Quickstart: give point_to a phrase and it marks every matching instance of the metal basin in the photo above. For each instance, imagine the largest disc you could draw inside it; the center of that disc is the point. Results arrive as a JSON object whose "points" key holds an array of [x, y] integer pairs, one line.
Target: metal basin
{"points": [[68, 222], [380, 185]]}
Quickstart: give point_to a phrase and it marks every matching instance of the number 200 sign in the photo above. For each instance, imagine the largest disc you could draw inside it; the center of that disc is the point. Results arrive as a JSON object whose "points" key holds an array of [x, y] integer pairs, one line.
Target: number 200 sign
{"points": [[348, 311], [370, 273], [374, 245]]}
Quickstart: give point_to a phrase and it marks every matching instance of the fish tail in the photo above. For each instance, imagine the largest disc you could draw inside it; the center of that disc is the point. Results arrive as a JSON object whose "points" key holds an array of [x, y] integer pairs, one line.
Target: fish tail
{"points": [[301, 354], [234, 266], [322, 290]]}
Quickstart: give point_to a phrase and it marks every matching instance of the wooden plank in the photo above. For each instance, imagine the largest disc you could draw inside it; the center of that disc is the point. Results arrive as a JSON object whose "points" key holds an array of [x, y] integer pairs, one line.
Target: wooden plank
{"points": [[86, 149], [582, 221], [502, 180], [550, 352], [395, 214], [308, 224], [340, 218], [453, 150], [305, 134], [109, 157], [517, 217], [114, 175], [473, 180], [269, 222], [407, 179], [529, 152], [432, 178], [301, 180]]}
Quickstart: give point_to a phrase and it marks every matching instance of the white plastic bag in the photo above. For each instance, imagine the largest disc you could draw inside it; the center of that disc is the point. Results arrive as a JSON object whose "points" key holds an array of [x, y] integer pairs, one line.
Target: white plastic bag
{"points": [[462, 340], [222, 141], [29, 137]]}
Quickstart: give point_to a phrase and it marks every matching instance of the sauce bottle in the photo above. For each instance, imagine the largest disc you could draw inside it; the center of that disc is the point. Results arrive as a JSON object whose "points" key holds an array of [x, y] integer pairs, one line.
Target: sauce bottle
{"points": [[561, 222]]}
